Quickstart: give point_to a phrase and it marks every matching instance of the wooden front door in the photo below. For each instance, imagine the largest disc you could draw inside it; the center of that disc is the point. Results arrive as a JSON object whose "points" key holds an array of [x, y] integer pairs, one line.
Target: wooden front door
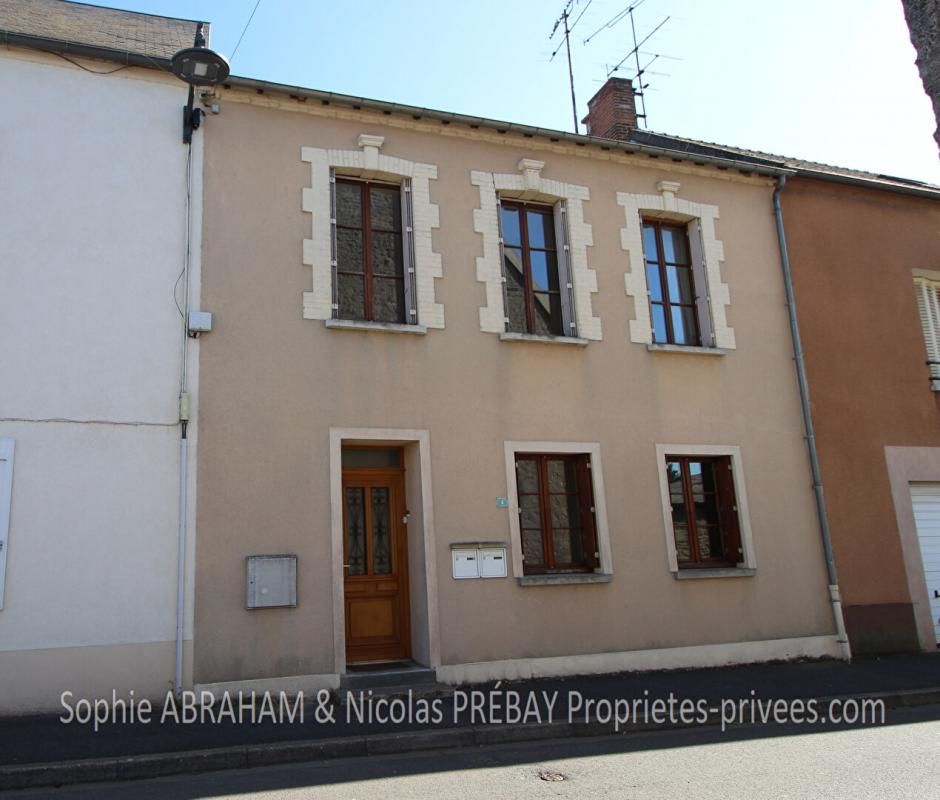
{"points": [[375, 561]]}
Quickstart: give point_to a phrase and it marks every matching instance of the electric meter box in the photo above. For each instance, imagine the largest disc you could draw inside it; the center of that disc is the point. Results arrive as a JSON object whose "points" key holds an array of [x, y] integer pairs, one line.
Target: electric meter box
{"points": [[271, 581]]}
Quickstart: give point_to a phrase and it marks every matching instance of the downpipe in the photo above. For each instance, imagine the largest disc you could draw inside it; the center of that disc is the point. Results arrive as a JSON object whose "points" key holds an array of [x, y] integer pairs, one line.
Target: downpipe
{"points": [[181, 551], [834, 596], [184, 414]]}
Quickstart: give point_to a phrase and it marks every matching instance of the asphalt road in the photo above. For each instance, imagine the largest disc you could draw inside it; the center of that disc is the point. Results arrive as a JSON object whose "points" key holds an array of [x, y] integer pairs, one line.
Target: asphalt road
{"points": [[899, 760]]}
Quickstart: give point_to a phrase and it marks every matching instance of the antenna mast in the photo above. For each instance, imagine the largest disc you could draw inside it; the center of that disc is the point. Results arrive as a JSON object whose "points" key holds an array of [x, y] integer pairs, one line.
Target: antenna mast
{"points": [[641, 70], [563, 21]]}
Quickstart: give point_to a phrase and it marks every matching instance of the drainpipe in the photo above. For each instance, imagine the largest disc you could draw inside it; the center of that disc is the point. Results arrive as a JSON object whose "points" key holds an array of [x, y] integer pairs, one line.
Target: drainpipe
{"points": [[184, 411], [834, 596]]}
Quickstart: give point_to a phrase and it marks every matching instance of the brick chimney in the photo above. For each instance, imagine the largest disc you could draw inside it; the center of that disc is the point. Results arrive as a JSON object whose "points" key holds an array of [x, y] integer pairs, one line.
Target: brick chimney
{"points": [[612, 111]]}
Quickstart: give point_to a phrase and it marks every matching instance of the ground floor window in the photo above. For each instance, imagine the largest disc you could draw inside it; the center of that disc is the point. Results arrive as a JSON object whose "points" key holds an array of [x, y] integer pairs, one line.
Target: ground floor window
{"points": [[556, 512], [704, 510]]}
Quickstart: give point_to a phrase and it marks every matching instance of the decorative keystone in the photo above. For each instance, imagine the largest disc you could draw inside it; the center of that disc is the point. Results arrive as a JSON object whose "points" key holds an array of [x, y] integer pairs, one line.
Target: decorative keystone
{"points": [[531, 171], [668, 189], [367, 140]]}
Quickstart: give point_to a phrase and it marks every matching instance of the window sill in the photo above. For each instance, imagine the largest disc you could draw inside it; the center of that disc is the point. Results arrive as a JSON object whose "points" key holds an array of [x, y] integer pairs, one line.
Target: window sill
{"points": [[687, 350], [567, 578], [722, 572], [375, 327], [530, 337]]}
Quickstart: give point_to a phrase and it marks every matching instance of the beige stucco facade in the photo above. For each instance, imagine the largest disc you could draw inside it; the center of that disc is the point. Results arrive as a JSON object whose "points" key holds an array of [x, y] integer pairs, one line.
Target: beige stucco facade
{"points": [[281, 392]]}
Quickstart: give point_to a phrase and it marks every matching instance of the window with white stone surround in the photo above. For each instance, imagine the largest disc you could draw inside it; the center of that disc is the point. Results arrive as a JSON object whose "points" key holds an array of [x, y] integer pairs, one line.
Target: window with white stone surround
{"points": [[565, 255], [421, 265], [927, 285], [710, 294]]}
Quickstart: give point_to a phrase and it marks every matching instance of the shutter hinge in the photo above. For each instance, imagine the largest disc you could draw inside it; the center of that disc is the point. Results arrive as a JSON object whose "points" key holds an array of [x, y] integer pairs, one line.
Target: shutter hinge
{"points": [[407, 187], [566, 248], [592, 509], [409, 229], [332, 220], [334, 262], [588, 465], [335, 306], [563, 208], [413, 313], [597, 555]]}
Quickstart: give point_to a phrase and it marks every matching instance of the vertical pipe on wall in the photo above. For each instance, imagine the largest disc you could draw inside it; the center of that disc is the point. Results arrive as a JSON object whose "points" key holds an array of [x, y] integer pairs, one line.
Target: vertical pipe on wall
{"points": [[184, 444], [821, 515]]}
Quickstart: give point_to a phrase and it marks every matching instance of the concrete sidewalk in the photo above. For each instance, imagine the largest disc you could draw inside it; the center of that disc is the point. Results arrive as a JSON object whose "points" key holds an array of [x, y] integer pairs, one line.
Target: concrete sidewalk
{"points": [[37, 751]]}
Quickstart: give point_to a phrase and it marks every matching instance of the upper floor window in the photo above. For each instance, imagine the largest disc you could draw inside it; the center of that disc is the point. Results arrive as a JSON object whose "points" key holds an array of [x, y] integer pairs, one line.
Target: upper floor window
{"points": [[534, 295], [371, 248], [675, 276], [928, 305], [370, 254], [671, 284]]}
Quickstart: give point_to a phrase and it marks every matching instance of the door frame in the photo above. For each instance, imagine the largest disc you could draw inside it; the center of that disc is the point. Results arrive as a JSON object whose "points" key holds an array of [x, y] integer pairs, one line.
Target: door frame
{"points": [[417, 446], [398, 508]]}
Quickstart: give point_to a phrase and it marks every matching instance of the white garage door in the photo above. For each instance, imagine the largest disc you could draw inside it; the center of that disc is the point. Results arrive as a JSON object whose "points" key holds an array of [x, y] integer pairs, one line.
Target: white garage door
{"points": [[926, 501]]}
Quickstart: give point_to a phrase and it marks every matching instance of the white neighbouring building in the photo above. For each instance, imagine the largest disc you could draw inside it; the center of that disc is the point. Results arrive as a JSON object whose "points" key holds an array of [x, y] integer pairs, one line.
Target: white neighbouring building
{"points": [[93, 279]]}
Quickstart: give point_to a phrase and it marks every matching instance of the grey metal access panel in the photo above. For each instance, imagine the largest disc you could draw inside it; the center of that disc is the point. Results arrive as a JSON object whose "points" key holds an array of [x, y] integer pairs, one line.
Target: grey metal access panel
{"points": [[271, 581]]}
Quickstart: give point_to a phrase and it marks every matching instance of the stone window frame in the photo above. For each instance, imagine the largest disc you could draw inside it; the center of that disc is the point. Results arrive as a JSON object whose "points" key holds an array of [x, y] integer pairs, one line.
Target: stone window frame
{"points": [[568, 201], [713, 295], [603, 572], [367, 163], [747, 566]]}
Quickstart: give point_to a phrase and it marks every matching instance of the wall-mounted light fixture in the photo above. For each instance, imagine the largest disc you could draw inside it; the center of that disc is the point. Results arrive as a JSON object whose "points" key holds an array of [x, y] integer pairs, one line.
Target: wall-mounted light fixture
{"points": [[197, 66]]}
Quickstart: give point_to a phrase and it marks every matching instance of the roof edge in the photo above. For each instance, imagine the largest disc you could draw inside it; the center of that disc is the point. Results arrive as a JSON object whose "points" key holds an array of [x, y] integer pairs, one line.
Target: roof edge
{"points": [[62, 47], [503, 127]]}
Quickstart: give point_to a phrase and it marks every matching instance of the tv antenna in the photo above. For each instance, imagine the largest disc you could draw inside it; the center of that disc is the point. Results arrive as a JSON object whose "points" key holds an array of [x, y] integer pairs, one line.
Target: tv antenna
{"points": [[563, 22], [641, 70]]}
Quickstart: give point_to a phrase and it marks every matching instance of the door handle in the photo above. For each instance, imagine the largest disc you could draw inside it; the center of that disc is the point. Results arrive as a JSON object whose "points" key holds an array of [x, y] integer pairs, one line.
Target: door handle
{"points": [[346, 566]]}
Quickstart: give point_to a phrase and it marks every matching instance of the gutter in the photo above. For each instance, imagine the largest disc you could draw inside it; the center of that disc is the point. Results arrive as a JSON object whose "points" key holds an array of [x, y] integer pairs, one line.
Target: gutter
{"points": [[834, 596], [528, 131], [61, 47]]}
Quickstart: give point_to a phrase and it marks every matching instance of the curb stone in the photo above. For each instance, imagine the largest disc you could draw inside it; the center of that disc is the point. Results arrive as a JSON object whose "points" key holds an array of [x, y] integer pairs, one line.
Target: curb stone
{"points": [[155, 765]]}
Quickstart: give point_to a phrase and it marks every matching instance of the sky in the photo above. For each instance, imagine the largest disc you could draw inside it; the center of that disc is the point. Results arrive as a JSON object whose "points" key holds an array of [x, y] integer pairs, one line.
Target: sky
{"points": [[825, 80]]}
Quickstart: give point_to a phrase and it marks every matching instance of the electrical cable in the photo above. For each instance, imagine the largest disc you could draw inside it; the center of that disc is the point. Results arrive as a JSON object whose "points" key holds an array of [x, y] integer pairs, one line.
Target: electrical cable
{"points": [[244, 31]]}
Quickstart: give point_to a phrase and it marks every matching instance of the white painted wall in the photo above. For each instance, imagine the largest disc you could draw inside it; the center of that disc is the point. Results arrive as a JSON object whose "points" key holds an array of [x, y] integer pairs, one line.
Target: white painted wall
{"points": [[92, 221]]}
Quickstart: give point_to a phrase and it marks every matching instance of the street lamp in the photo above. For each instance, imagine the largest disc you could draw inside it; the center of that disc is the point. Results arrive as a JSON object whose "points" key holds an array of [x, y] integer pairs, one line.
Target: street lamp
{"points": [[197, 66]]}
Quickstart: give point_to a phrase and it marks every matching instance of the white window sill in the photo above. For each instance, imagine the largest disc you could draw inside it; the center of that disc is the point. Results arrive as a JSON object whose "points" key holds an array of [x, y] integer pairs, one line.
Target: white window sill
{"points": [[725, 572], [530, 337], [935, 384], [375, 327], [687, 350], [564, 578]]}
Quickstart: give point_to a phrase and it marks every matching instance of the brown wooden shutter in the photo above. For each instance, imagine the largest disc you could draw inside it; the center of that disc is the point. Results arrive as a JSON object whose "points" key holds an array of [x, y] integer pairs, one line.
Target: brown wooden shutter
{"points": [[586, 498], [728, 510]]}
